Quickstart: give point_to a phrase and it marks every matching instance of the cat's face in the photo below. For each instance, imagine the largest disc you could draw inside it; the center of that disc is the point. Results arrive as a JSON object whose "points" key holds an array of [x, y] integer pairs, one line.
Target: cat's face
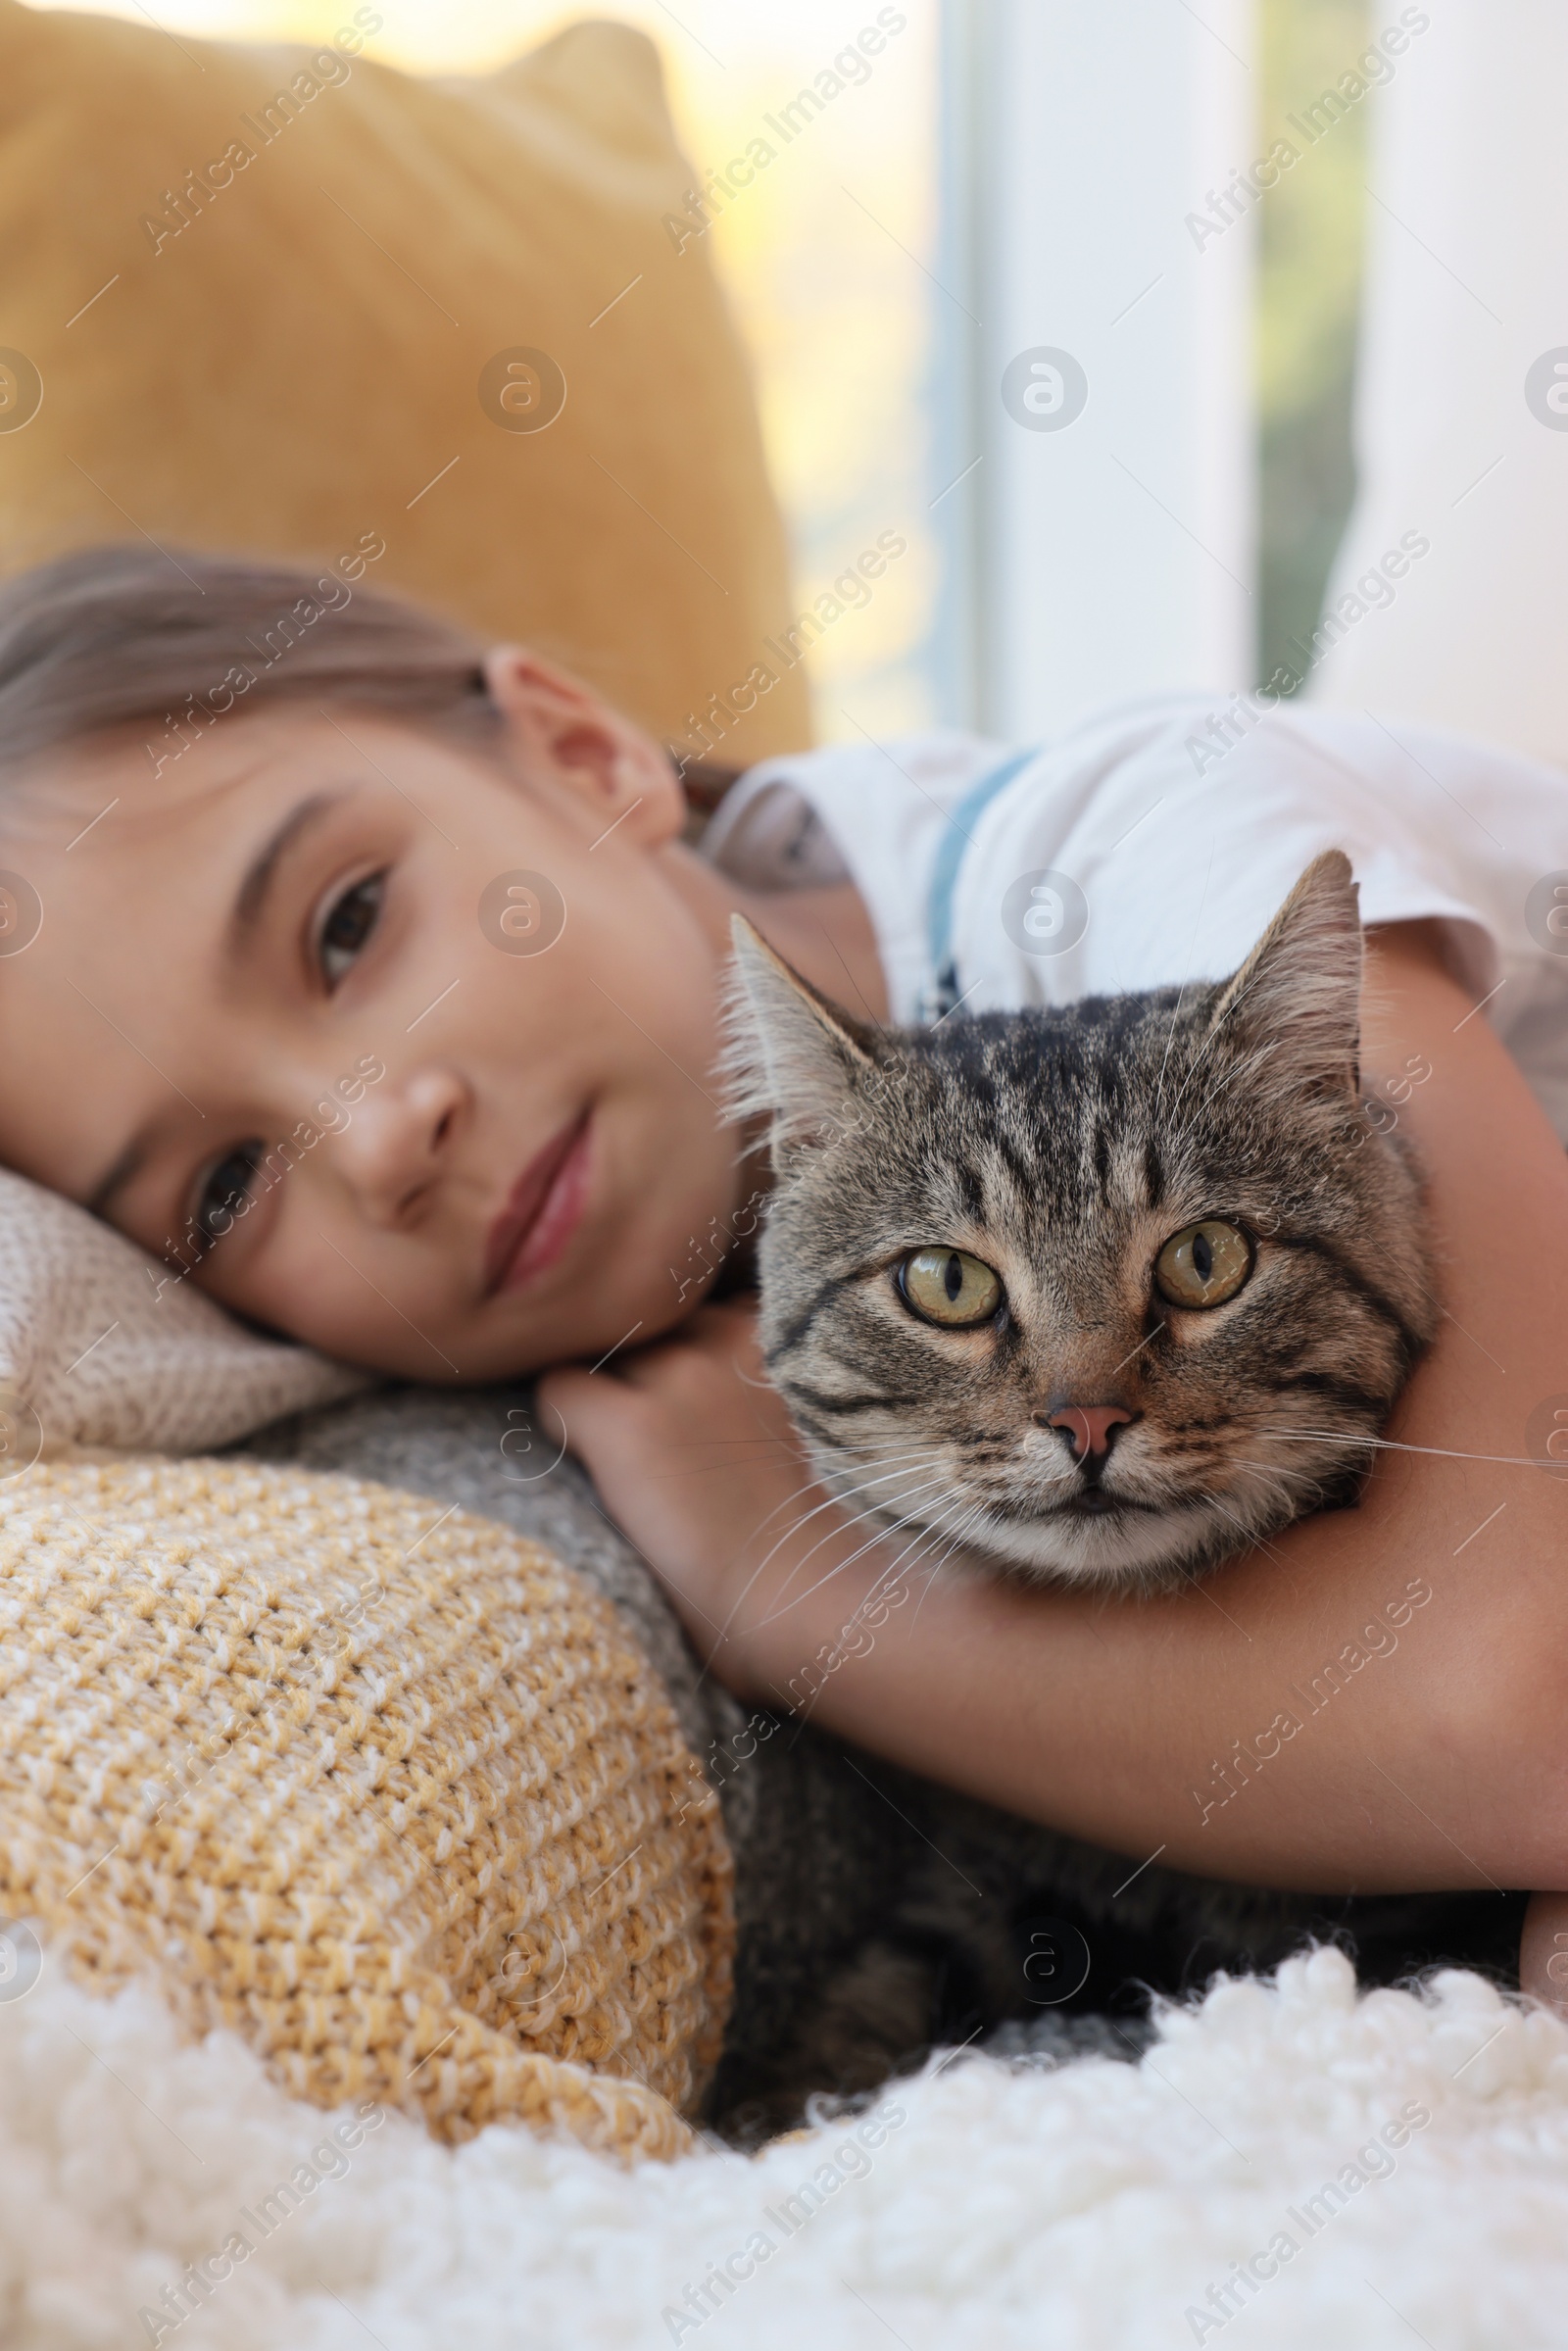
{"points": [[1106, 1293]]}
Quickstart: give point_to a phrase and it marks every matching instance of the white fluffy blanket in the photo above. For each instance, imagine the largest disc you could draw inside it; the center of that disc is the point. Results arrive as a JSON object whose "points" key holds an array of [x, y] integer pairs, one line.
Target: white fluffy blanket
{"points": [[1383, 2170]]}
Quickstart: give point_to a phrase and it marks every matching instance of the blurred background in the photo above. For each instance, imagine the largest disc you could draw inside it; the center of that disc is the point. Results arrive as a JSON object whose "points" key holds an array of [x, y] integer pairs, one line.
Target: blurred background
{"points": [[1007, 178]]}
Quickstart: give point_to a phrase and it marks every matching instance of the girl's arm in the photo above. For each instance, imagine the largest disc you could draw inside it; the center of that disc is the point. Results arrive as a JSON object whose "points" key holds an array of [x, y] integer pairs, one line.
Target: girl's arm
{"points": [[1379, 1698]]}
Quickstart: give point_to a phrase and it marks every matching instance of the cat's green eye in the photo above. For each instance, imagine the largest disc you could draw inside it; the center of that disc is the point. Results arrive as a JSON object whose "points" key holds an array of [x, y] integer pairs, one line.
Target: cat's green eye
{"points": [[949, 1285], [1204, 1265]]}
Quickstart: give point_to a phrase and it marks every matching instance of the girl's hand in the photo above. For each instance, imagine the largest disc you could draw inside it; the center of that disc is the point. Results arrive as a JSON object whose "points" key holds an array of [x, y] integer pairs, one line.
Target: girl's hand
{"points": [[695, 1459]]}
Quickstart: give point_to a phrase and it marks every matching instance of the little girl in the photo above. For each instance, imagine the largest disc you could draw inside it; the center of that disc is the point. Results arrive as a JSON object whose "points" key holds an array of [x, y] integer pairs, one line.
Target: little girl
{"points": [[267, 837]]}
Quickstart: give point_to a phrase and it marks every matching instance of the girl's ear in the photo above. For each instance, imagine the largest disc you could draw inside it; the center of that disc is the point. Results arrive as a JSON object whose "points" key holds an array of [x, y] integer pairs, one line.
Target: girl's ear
{"points": [[563, 733]]}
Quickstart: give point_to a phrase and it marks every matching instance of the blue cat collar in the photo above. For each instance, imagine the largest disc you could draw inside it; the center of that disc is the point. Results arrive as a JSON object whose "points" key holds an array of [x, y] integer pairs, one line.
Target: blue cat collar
{"points": [[940, 998]]}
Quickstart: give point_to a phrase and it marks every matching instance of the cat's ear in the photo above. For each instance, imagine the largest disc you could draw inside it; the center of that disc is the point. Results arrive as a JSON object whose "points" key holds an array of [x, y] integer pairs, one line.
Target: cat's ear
{"points": [[790, 1055], [1297, 1000]]}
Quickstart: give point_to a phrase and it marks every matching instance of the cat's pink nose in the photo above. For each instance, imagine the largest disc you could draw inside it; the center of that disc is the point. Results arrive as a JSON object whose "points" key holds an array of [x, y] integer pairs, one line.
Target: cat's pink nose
{"points": [[1089, 1427]]}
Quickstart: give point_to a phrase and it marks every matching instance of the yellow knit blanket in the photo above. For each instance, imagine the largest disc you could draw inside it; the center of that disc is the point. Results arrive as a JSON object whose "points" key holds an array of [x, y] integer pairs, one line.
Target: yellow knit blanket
{"points": [[381, 1787]]}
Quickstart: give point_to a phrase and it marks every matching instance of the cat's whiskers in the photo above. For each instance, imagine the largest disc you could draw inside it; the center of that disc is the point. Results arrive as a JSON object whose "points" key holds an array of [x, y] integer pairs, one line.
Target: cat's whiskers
{"points": [[1390, 1444], [924, 1534], [1008, 1460], [882, 1535], [929, 1531], [1250, 1534], [896, 1454], [867, 1600], [889, 1577], [1280, 1474], [856, 1518], [1279, 1471], [939, 1564], [827, 1504], [832, 1500], [808, 1485], [959, 1534], [934, 1533], [887, 1463]]}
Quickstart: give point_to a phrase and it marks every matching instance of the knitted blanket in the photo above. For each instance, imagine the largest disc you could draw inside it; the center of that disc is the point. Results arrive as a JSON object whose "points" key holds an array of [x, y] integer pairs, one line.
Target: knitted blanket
{"points": [[380, 1788], [98, 1347]]}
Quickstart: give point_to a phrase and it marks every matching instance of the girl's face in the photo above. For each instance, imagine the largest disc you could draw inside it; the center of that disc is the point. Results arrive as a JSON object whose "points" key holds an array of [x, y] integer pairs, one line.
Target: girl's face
{"points": [[294, 1024]]}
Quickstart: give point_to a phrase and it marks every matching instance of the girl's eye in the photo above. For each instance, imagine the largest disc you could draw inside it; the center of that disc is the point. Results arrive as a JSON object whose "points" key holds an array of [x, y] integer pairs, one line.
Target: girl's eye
{"points": [[950, 1287], [349, 923], [223, 1192], [1204, 1265]]}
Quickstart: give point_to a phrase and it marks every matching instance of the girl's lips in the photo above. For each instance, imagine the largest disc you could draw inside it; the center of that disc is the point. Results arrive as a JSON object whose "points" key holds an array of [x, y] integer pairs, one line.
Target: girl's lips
{"points": [[542, 1211]]}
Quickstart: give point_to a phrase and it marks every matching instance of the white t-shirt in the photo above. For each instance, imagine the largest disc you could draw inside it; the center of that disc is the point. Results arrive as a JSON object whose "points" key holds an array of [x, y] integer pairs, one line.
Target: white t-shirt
{"points": [[1148, 848]]}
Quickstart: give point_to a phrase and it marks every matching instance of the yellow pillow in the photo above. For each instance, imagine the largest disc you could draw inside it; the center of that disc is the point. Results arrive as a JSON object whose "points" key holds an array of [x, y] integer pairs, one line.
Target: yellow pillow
{"points": [[293, 302], [380, 1788]]}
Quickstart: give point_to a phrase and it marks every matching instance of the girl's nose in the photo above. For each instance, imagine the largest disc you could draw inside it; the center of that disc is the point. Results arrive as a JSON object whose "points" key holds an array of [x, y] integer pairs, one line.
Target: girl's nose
{"points": [[398, 1142]]}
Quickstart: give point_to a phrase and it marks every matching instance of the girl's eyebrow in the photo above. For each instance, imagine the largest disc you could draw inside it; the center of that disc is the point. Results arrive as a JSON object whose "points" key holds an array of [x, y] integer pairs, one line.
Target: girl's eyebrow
{"points": [[250, 900]]}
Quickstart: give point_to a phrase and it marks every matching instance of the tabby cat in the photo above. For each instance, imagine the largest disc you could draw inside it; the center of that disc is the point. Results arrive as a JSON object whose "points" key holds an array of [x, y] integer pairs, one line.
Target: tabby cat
{"points": [[1104, 1293]]}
